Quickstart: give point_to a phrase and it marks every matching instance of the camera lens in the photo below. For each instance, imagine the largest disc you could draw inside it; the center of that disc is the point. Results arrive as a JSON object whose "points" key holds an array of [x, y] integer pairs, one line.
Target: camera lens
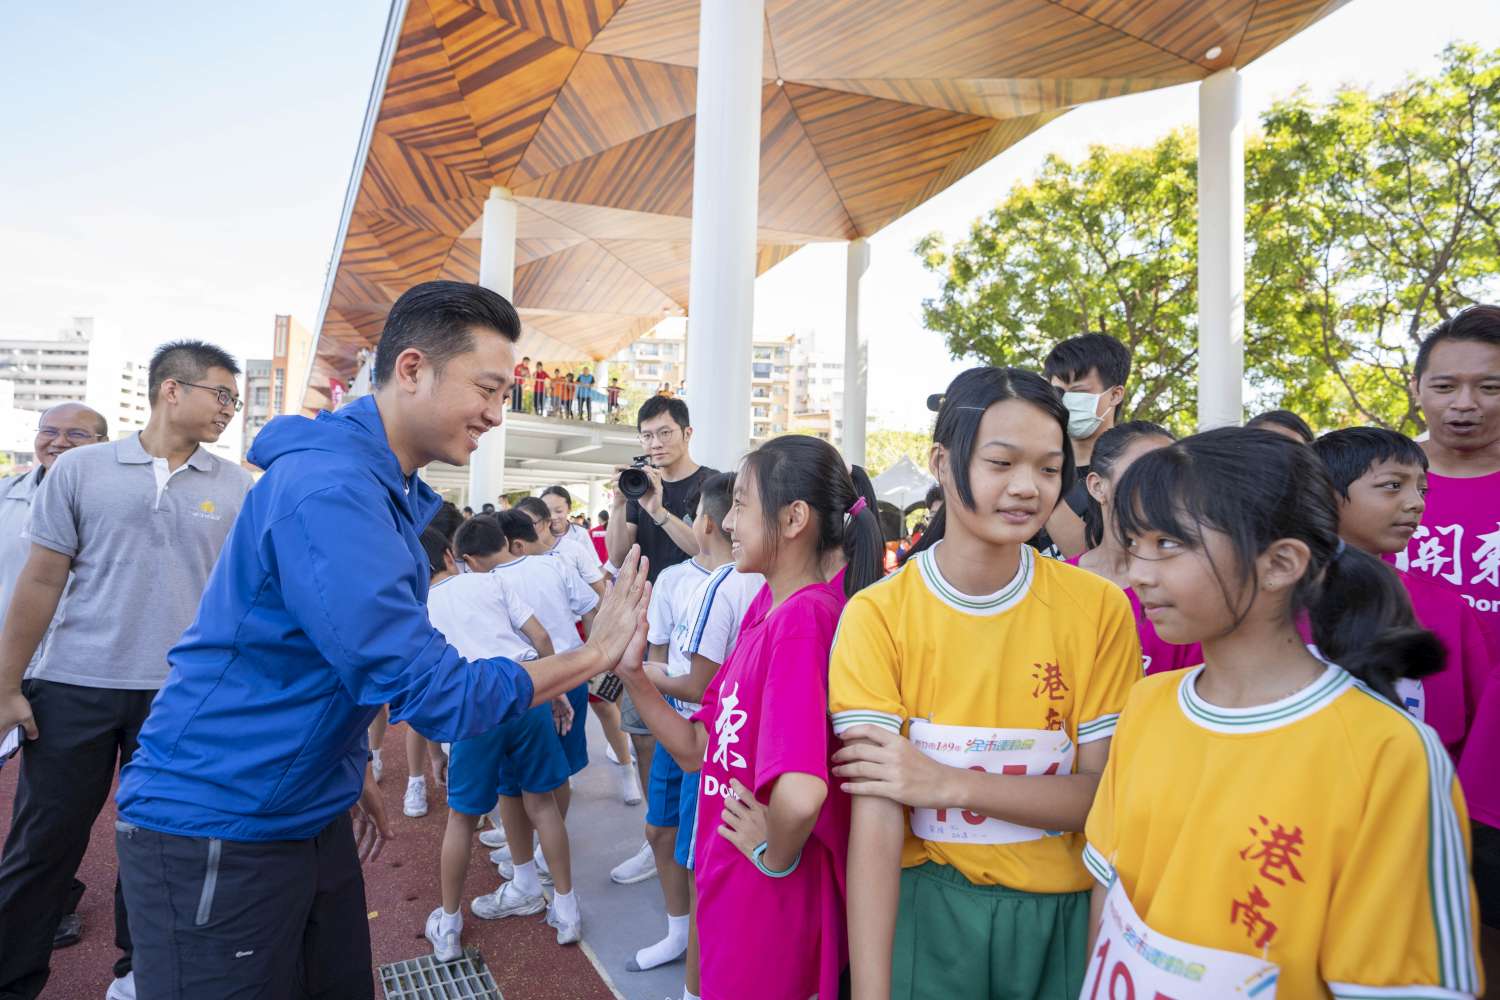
{"points": [[634, 484]]}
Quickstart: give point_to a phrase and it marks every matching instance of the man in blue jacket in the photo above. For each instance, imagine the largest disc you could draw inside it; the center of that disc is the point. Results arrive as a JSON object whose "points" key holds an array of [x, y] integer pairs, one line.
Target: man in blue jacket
{"points": [[235, 838]]}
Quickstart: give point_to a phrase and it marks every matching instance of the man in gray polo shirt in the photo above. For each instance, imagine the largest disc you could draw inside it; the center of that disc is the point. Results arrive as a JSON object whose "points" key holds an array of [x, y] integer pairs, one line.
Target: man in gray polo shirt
{"points": [[138, 523], [61, 428]]}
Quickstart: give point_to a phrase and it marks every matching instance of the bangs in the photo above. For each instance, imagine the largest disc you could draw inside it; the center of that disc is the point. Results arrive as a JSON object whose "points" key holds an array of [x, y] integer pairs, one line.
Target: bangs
{"points": [[1158, 493]]}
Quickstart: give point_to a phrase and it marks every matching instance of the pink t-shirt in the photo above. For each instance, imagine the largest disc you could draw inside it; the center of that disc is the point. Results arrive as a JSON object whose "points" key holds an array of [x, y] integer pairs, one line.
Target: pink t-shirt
{"points": [[1476, 768], [766, 712], [1157, 654], [1453, 694], [1458, 543]]}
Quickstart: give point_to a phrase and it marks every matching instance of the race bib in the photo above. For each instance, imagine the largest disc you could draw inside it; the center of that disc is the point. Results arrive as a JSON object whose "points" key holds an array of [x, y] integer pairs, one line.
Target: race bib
{"points": [[1132, 962], [995, 751]]}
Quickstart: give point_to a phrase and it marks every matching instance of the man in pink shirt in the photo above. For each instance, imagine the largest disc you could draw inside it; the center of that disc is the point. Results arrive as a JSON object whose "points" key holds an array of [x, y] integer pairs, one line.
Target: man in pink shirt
{"points": [[1457, 382]]}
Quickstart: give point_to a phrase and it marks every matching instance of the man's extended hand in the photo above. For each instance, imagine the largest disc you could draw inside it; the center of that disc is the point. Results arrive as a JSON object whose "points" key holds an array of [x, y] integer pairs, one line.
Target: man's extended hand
{"points": [[622, 613], [15, 710], [371, 828]]}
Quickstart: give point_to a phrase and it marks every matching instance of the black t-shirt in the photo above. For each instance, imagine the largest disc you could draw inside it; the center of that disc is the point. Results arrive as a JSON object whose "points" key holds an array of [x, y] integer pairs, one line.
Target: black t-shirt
{"points": [[656, 545]]}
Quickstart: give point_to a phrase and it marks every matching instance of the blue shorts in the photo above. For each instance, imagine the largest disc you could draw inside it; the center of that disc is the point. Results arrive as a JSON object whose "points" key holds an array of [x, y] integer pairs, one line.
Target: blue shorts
{"points": [[575, 741], [521, 754], [664, 787], [687, 820]]}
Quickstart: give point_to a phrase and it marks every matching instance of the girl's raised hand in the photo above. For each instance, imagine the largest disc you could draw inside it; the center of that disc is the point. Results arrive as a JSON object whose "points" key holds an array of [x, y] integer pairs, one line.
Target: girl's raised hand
{"points": [[886, 764], [744, 819]]}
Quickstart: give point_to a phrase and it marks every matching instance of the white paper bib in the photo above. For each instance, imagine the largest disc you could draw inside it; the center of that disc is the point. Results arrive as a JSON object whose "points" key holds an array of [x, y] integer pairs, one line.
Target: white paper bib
{"points": [[1130, 961], [995, 751]]}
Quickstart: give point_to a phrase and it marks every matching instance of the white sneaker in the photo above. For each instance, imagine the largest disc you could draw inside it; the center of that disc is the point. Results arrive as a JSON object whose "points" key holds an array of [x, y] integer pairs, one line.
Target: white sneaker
{"points": [[508, 870], [122, 988], [376, 768], [567, 932], [507, 901], [495, 838], [630, 784], [445, 946], [415, 803], [637, 868]]}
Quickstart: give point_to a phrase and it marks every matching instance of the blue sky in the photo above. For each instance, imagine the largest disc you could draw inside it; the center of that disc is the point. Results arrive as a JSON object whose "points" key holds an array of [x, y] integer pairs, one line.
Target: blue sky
{"points": [[175, 173]]}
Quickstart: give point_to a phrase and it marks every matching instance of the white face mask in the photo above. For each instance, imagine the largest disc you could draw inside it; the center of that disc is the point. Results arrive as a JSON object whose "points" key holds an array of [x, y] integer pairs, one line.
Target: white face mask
{"points": [[1083, 415]]}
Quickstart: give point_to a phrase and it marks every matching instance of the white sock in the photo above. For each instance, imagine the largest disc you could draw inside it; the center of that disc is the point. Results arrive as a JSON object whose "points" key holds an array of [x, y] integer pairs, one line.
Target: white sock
{"points": [[375, 754], [451, 921], [669, 948], [688, 994], [567, 907], [526, 880]]}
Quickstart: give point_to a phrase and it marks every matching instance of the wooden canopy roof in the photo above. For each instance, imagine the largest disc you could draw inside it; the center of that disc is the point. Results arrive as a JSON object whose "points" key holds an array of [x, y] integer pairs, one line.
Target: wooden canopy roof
{"points": [[585, 110]]}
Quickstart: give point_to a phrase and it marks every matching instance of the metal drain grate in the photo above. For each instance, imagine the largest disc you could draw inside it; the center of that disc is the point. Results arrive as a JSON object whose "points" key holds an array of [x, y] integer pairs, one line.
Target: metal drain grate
{"points": [[425, 978]]}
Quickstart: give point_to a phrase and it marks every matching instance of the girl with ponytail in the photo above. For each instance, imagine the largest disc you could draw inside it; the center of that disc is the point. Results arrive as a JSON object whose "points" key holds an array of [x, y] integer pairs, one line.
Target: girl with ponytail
{"points": [[772, 830], [1114, 452], [976, 689], [1273, 813]]}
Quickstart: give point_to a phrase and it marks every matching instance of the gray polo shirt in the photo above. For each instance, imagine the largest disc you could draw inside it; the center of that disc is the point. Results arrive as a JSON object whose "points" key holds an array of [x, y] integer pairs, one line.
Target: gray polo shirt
{"points": [[143, 542]]}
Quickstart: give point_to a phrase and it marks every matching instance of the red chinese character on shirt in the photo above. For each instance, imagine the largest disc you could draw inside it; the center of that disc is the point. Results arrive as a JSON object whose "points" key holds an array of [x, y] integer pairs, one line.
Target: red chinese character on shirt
{"points": [[1055, 720], [1276, 850], [1249, 913], [1049, 681]]}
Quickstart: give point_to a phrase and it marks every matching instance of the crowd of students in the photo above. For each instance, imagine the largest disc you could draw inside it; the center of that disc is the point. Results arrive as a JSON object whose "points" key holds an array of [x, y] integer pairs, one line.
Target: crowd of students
{"points": [[1134, 716]]}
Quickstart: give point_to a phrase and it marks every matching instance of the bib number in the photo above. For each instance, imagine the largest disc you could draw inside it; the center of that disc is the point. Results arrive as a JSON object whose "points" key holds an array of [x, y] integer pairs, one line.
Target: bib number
{"points": [[992, 751], [1132, 962]]}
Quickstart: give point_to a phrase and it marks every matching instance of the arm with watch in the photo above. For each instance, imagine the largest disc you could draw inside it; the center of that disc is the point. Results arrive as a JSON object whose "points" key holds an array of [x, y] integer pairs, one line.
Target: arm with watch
{"points": [[678, 530]]}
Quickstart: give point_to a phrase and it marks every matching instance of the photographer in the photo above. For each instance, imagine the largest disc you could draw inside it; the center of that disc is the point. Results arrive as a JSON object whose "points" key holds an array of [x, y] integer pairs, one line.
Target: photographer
{"points": [[655, 522]]}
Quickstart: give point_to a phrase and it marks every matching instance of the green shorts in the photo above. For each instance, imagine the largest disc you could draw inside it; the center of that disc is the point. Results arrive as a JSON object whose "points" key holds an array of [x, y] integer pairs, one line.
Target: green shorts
{"points": [[955, 938]]}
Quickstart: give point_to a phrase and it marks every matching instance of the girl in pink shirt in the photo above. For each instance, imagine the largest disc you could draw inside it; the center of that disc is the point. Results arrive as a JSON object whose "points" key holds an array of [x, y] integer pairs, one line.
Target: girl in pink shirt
{"points": [[1105, 556], [773, 828]]}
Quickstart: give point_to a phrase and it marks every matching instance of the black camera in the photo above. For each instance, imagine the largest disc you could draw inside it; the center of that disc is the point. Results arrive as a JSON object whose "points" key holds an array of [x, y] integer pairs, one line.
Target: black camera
{"points": [[633, 482]]}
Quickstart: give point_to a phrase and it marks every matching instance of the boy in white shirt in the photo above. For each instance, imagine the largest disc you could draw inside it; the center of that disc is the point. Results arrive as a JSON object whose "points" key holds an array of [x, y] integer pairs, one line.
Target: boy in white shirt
{"points": [[482, 617]]}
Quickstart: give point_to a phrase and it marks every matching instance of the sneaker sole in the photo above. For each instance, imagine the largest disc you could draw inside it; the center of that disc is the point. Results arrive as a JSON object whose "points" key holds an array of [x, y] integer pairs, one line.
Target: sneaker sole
{"points": [[439, 956], [413, 815], [633, 879], [529, 910]]}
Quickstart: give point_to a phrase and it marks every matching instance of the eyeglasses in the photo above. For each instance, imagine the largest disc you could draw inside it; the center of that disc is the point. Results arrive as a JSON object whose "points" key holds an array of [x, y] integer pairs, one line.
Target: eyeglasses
{"points": [[74, 436], [665, 436], [223, 395]]}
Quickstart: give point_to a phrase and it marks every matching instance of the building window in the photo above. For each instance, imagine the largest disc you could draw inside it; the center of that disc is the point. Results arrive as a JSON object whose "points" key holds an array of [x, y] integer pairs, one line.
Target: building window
{"points": [[759, 370], [280, 390]]}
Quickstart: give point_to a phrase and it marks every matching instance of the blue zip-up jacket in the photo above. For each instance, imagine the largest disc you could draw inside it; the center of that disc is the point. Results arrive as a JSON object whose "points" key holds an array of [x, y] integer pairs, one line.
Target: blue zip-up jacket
{"points": [[314, 616]]}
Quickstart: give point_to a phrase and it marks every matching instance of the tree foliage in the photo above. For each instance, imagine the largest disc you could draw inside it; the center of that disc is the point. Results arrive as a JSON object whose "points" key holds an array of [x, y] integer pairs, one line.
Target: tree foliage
{"points": [[885, 447], [1368, 219]]}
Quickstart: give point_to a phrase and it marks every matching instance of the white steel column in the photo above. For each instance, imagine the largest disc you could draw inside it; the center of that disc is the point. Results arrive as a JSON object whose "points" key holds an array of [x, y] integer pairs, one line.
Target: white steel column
{"points": [[726, 180], [856, 354], [596, 498], [497, 272], [1221, 251]]}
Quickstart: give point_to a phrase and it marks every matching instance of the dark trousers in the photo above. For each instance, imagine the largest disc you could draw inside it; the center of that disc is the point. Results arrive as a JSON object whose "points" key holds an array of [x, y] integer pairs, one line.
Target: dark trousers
{"points": [[233, 920], [586, 408], [85, 733], [516, 393], [536, 403]]}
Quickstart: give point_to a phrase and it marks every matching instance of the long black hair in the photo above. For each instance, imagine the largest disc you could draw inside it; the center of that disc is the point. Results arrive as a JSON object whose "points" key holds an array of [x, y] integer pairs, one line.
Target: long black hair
{"points": [[1107, 451], [1255, 487], [961, 409], [799, 467]]}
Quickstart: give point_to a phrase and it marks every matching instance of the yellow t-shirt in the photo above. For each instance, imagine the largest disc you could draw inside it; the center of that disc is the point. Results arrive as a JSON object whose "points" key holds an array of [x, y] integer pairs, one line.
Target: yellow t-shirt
{"points": [[1324, 832], [1025, 673]]}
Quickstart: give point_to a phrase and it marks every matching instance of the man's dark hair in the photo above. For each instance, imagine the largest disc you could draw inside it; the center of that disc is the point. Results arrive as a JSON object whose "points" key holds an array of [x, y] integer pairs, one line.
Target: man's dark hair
{"points": [[516, 525], [1283, 418], [488, 508], [438, 318], [657, 405], [1480, 324], [186, 361], [604, 517], [534, 506], [525, 359], [468, 511], [1075, 357], [479, 536], [559, 491], [1350, 453], [934, 495]]}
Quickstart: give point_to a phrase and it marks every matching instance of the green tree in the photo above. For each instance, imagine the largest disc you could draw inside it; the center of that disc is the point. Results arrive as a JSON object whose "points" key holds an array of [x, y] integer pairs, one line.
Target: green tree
{"points": [[1367, 219], [885, 447]]}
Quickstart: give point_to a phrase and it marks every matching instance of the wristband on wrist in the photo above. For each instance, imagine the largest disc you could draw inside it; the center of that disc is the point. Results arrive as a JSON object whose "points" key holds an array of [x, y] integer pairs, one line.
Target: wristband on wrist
{"points": [[758, 856]]}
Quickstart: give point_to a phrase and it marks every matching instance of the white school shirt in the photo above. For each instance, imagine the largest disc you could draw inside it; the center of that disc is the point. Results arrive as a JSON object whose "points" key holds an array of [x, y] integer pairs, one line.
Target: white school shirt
{"points": [[557, 595], [667, 618], [585, 564], [480, 616], [718, 610]]}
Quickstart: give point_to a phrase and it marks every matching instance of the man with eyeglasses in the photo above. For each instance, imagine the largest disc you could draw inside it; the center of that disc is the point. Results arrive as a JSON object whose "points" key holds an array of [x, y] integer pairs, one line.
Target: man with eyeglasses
{"points": [[657, 522], [61, 428], [137, 524]]}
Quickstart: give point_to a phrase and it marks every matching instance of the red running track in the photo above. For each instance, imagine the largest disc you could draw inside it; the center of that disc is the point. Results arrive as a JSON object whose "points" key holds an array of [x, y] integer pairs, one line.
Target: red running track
{"points": [[401, 889]]}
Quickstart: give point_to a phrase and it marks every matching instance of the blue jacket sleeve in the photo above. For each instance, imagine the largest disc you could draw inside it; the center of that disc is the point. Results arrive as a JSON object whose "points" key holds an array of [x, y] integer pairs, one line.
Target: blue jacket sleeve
{"points": [[349, 580]]}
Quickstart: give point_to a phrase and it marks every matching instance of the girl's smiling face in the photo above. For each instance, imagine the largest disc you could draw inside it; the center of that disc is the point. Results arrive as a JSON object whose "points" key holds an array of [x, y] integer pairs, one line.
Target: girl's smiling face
{"points": [[1015, 474], [750, 544]]}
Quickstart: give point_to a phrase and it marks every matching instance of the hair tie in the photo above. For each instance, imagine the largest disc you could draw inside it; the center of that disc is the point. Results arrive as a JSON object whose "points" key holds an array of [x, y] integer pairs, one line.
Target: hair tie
{"points": [[1339, 550], [859, 505]]}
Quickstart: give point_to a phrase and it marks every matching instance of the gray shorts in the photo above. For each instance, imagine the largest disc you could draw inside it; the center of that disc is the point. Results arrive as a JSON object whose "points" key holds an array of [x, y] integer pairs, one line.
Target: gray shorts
{"points": [[630, 717]]}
